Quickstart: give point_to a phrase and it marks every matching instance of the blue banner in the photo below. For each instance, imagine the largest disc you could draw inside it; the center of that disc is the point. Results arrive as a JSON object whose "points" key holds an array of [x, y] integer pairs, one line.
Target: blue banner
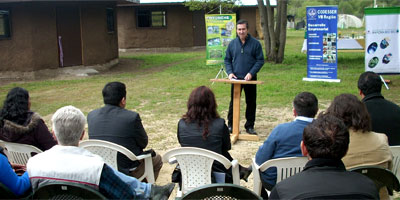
{"points": [[322, 42]]}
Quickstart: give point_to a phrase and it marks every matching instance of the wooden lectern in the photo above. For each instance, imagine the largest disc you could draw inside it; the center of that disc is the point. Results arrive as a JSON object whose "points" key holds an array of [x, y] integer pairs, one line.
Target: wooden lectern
{"points": [[236, 108]]}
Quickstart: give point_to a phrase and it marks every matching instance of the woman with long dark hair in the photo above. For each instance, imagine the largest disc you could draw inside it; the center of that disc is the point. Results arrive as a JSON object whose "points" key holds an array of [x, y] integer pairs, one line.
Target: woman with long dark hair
{"points": [[20, 125], [202, 127]]}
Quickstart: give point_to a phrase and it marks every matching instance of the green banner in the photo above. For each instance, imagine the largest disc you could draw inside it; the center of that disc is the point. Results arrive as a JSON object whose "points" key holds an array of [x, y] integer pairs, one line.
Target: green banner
{"points": [[220, 30]]}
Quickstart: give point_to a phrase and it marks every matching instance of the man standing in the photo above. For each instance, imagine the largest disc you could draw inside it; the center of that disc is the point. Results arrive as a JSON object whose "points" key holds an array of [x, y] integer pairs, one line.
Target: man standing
{"points": [[325, 142], [284, 140], [244, 58], [66, 162], [385, 115], [116, 124]]}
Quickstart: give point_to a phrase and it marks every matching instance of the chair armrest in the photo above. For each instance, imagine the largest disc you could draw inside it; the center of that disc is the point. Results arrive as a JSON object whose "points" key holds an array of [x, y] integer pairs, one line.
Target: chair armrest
{"points": [[235, 172], [172, 160], [143, 156], [257, 185]]}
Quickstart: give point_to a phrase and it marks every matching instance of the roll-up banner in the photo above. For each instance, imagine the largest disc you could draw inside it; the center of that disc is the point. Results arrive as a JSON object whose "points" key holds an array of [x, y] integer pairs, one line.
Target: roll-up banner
{"points": [[220, 30], [382, 42], [322, 43]]}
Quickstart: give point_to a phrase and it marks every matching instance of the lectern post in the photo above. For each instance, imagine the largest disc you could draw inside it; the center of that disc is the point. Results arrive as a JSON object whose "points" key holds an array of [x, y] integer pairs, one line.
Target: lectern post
{"points": [[236, 108]]}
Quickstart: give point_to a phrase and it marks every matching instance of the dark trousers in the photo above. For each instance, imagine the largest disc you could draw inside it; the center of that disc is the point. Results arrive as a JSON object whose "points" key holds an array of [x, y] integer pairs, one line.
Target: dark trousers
{"points": [[250, 91]]}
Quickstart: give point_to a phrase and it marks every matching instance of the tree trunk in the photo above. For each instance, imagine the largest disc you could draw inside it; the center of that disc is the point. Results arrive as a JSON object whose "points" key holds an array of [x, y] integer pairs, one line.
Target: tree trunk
{"points": [[272, 52], [282, 33], [264, 26], [278, 21]]}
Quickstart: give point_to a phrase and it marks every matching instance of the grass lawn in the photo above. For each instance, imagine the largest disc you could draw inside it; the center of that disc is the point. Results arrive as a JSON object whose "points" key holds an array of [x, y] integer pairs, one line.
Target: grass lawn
{"points": [[159, 94], [165, 92]]}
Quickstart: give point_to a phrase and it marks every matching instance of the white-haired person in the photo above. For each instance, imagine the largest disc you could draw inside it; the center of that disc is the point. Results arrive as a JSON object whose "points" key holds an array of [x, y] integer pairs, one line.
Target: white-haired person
{"points": [[66, 162]]}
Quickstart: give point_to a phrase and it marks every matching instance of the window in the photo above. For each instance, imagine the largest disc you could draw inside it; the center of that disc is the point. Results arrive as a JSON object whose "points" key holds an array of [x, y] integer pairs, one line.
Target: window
{"points": [[5, 24], [110, 20], [151, 18]]}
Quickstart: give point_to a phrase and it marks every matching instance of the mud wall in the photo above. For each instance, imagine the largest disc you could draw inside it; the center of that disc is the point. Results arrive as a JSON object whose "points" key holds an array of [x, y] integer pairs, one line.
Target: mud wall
{"points": [[99, 45], [177, 33], [33, 43]]}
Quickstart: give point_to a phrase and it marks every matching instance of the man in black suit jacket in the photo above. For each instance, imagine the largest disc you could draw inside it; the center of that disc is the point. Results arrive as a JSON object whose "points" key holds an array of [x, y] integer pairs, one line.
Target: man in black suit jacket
{"points": [[385, 115], [116, 124]]}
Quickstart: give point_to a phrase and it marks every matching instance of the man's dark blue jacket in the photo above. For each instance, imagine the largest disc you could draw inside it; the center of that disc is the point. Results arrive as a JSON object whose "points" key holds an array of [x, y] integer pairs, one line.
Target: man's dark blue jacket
{"points": [[241, 59]]}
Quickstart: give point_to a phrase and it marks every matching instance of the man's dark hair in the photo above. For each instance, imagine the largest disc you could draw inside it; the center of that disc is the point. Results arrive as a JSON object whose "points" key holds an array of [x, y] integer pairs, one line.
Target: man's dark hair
{"points": [[306, 104], [113, 93], [369, 82], [243, 21], [326, 137]]}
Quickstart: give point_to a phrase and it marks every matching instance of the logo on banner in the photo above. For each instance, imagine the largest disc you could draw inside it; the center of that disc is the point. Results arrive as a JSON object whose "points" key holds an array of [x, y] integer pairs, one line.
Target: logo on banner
{"points": [[312, 14]]}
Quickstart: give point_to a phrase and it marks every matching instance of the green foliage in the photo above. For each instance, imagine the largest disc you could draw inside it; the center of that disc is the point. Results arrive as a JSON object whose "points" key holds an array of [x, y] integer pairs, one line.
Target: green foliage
{"points": [[352, 7], [212, 6]]}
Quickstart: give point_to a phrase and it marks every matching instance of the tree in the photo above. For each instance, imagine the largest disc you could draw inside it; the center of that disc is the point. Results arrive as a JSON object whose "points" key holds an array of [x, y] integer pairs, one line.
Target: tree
{"points": [[212, 6], [274, 29]]}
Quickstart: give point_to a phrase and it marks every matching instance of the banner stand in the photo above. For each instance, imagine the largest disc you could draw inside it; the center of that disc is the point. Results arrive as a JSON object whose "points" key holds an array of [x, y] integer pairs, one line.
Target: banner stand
{"points": [[222, 73], [320, 79], [322, 43]]}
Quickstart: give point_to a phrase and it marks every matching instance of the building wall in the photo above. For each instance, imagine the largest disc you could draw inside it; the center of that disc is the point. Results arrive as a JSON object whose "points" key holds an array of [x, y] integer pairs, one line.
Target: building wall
{"points": [[179, 30], [30, 45], [33, 44], [249, 13], [99, 46], [178, 33]]}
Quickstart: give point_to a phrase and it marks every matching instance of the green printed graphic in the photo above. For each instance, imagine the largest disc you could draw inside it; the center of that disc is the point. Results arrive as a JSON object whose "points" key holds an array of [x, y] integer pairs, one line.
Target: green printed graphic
{"points": [[220, 30]]}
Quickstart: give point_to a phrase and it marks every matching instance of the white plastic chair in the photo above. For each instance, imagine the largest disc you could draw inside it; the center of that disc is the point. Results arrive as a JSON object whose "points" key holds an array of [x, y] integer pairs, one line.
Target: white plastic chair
{"points": [[285, 168], [19, 153], [396, 160], [108, 151], [196, 166]]}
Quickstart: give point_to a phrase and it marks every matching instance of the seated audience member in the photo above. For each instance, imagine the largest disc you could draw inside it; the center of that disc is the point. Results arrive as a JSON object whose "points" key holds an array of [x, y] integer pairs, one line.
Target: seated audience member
{"points": [[385, 115], [325, 142], [366, 147], [67, 162], [116, 124], [19, 185], [202, 127], [284, 140], [20, 125]]}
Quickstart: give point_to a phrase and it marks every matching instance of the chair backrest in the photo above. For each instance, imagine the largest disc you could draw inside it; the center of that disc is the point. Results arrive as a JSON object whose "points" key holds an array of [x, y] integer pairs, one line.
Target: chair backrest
{"points": [[380, 176], [221, 191], [66, 190], [109, 151], [196, 166], [285, 168], [396, 160], [6, 193], [20, 153]]}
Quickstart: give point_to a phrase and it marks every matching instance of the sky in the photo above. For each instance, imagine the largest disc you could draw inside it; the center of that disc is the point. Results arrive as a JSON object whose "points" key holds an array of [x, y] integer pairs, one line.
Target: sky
{"points": [[244, 2]]}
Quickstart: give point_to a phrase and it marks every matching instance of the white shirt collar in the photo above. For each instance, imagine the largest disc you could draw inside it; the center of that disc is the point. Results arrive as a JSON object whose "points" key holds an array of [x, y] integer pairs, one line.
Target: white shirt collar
{"points": [[302, 118]]}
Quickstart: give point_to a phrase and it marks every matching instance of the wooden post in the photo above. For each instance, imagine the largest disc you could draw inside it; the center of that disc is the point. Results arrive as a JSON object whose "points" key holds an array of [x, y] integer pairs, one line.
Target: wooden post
{"points": [[236, 109]]}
